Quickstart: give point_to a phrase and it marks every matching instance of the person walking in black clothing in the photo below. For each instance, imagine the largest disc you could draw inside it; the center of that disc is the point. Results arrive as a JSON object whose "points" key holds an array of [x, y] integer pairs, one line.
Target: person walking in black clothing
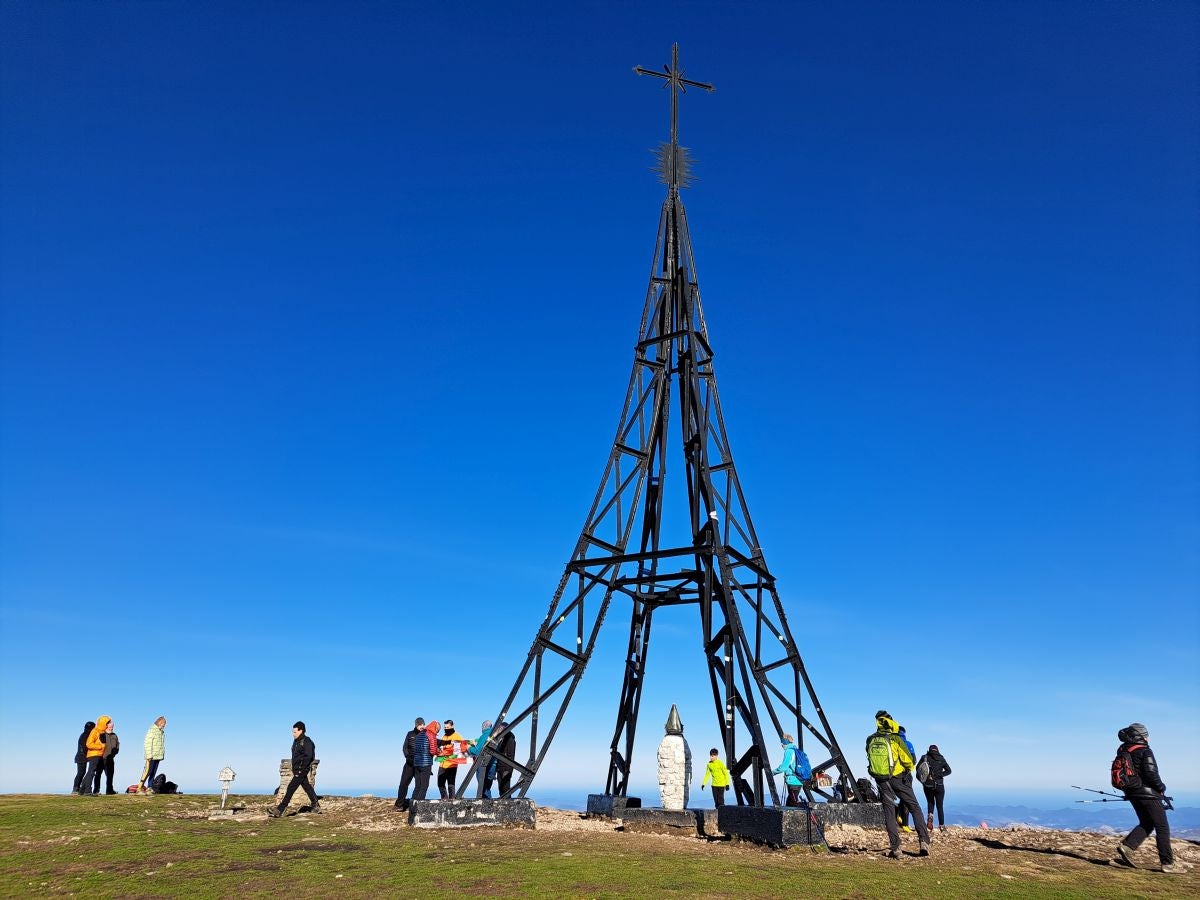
{"points": [[81, 758], [935, 789], [1144, 790], [417, 762], [304, 751], [506, 746]]}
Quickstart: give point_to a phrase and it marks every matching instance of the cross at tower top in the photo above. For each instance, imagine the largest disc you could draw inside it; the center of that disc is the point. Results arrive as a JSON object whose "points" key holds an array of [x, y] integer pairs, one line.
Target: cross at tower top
{"points": [[675, 163]]}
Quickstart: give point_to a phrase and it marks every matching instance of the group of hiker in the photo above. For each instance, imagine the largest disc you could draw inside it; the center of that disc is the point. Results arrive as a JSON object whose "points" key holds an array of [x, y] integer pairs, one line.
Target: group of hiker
{"points": [[892, 764], [96, 754], [424, 748]]}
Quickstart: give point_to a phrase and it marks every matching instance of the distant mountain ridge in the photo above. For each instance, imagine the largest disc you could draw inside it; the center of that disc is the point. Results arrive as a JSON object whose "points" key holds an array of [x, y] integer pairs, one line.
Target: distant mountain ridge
{"points": [[1116, 818]]}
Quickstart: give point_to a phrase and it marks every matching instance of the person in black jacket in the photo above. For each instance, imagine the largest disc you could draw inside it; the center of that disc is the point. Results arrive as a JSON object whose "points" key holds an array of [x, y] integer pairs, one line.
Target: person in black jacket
{"points": [[1146, 800], [505, 744], [415, 741], [304, 751], [81, 758], [935, 790]]}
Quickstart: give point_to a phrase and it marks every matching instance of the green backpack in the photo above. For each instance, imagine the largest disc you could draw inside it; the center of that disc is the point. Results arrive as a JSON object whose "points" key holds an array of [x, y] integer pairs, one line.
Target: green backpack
{"points": [[880, 758]]}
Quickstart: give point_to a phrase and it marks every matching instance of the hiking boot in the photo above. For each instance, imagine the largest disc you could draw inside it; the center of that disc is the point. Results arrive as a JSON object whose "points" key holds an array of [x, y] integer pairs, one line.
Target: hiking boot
{"points": [[1125, 856], [924, 849], [274, 812], [906, 829], [315, 808], [1172, 869], [929, 822], [893, 854]]}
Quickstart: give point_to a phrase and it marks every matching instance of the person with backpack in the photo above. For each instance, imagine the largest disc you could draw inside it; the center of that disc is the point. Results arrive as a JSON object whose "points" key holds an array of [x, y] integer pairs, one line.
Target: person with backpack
{"points": [[931, 769], [888, 761], [795, 769], [304, 751], [154, 746], [1135, 772], [81, 757], [416, 758]]}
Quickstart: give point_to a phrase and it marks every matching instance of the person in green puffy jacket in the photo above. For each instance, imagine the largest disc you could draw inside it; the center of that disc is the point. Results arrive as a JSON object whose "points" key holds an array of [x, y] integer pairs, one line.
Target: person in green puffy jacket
{"points": [[154, 749]]}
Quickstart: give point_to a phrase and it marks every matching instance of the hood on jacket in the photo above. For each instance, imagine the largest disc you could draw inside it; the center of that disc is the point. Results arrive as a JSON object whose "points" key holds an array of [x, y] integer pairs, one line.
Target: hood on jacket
{"points": [[102, 722], [433, 728], [886, 724]]}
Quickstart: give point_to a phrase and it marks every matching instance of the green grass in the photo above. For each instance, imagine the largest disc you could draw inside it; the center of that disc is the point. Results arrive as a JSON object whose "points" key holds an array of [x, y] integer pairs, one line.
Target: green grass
{"points": [[148, 846]]}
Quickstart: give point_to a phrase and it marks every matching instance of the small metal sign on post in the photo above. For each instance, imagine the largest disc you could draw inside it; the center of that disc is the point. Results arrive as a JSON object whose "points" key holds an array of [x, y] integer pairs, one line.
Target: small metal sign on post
{"points": [[225, 776]]}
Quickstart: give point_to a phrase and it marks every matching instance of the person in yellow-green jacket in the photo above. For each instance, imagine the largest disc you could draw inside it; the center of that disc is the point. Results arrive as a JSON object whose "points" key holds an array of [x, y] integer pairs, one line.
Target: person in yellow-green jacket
{"points": [[716, 772], [888, 760]]}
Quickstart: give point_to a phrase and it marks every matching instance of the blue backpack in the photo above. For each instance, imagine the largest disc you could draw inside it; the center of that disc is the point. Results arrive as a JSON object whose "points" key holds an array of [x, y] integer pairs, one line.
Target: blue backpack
{"points": [[801, 766]]}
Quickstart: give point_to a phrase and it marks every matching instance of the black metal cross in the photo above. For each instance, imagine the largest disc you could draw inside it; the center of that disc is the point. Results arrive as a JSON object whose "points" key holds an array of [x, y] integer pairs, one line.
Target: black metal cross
{"points": [[673, 76]]}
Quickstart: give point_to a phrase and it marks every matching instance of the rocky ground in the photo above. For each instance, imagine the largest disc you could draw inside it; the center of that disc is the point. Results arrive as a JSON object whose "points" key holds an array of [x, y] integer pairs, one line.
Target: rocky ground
{"points": [[1021, 848]]}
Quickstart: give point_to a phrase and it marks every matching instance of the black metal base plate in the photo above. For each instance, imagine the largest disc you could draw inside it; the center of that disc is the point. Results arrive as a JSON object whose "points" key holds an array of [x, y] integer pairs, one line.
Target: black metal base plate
{"points": [[772, 825], [610, 807], [865, 815]]}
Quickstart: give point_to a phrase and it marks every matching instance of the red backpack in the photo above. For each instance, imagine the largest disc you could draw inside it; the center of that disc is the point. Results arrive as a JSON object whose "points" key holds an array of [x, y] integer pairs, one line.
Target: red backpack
{"points": [[1125, 776]]}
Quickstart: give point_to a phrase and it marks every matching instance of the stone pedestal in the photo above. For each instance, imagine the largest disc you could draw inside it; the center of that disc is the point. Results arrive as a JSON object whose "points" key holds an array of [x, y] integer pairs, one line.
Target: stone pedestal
{"points": [[674, 771], [681, 822], [607, 806], [508, 813], [772, 825], [285, 775]]}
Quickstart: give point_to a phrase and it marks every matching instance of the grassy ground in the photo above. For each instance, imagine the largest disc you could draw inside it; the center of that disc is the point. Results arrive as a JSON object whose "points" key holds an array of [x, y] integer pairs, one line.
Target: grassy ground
{"points": [[165, 846]]}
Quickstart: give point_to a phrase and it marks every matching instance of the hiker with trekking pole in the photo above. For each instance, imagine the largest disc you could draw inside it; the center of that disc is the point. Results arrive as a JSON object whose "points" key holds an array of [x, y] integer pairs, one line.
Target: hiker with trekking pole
{"points": [[1135, 773]]}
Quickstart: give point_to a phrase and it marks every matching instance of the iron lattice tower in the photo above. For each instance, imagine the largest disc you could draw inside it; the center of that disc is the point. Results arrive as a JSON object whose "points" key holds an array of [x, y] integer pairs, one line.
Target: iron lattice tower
{"points": [[758, 680]]}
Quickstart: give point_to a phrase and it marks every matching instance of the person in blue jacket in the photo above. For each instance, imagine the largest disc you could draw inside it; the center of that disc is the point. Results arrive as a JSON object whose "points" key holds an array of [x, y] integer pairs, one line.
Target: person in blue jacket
{"points": [[795, 769], [905, 816]]}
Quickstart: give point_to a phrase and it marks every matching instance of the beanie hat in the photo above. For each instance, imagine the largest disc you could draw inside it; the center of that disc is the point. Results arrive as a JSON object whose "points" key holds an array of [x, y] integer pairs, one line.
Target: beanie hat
{"points": [[882, 713], [1139, 732]]}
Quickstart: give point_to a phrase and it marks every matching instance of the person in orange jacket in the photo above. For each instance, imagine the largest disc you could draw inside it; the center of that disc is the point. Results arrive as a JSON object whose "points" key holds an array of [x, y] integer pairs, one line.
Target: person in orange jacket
{"points": [[450, 747], [95, 758]]}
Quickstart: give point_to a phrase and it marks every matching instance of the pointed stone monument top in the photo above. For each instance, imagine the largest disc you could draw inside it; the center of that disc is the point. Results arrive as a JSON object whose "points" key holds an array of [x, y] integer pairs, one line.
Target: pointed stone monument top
{"points": [[674, 723]]}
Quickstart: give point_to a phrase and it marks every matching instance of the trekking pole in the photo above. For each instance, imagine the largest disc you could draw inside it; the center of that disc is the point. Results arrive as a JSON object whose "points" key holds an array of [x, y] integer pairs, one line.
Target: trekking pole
{"points": [[1117, 798]]}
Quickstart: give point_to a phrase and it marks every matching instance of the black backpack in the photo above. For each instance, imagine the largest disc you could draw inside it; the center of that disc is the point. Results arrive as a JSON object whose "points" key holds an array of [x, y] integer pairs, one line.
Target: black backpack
{"points": [[866, 791], [162, 786], [1125, 776]]}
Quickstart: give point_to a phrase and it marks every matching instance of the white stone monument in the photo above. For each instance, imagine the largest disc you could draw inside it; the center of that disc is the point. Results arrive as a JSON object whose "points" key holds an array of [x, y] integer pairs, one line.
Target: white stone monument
{"points": [[674, 764]]}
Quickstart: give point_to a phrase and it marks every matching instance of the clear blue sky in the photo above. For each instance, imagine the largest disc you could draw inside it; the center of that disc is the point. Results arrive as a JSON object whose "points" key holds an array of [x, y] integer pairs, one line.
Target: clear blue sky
{"points": [[317, 320]]}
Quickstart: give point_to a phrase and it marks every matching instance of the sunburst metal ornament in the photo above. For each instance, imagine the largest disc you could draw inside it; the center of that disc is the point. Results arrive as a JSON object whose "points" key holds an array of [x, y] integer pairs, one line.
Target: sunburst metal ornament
{"points": [[675, 162]]}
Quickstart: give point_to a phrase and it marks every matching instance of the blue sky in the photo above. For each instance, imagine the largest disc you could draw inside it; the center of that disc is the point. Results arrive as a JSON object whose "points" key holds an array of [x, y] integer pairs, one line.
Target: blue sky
{"points": [[317, 320]]}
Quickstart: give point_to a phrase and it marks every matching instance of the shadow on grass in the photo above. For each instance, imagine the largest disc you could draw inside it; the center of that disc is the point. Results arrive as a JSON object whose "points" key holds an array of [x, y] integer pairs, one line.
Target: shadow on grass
{"points": [[1049, 851]]}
